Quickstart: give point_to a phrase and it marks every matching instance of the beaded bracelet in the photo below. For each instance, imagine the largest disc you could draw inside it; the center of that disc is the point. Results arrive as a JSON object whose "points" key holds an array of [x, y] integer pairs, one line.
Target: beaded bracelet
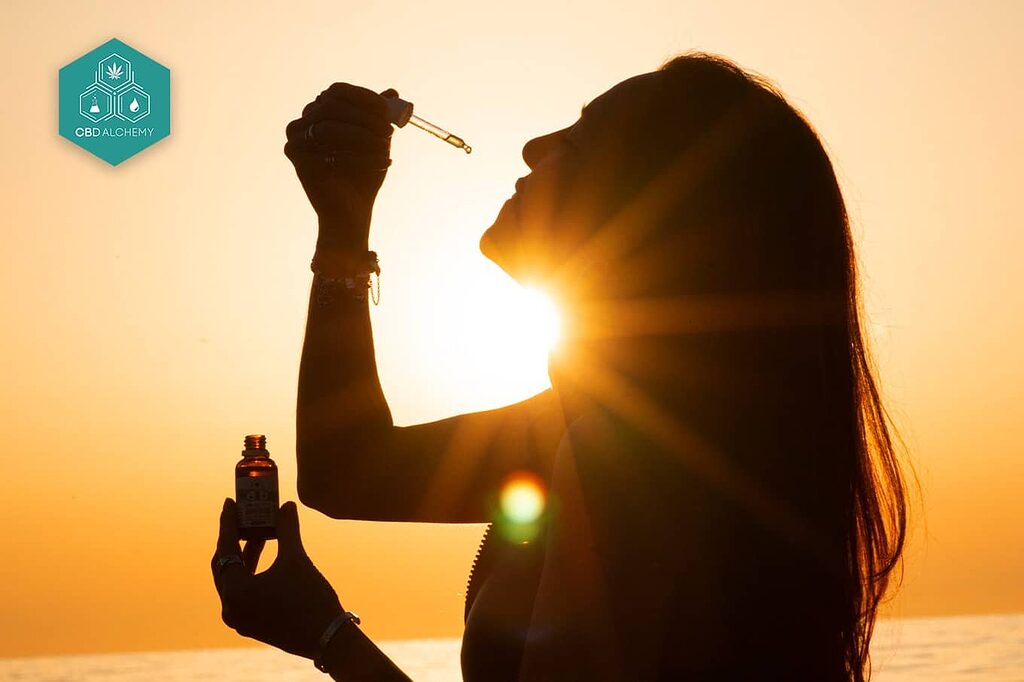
{"points": [[353, 271]]}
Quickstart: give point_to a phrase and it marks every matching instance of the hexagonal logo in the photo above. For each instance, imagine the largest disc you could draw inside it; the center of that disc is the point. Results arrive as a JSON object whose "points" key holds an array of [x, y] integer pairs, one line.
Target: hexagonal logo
{"points": [[114, 101]]}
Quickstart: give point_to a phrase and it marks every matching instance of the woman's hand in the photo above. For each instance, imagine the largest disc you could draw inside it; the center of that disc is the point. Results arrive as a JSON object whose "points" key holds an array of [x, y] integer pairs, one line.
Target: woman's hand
{"points": [[341, 148], [287, 606]]}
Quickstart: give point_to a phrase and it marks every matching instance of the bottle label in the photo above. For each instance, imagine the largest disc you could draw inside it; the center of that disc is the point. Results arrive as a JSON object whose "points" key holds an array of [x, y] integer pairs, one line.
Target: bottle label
{"points": [[256, 497]]}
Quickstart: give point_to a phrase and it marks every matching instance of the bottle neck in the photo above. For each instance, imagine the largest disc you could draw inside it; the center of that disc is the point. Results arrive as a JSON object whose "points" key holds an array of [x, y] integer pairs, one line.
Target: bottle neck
{"points": [[255, 454]]}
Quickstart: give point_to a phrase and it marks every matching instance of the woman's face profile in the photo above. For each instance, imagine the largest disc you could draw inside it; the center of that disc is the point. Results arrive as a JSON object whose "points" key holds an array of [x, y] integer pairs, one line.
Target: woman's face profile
{"points": [[553, 209]]}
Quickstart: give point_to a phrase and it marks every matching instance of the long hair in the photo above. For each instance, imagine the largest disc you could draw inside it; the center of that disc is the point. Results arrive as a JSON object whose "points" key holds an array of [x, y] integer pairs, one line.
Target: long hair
{"points": [[745, 263]]}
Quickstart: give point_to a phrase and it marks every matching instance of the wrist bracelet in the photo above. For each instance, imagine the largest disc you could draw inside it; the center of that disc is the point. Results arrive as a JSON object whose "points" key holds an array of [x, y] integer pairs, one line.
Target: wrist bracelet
{"points": [[329, 633], [351, 271]]}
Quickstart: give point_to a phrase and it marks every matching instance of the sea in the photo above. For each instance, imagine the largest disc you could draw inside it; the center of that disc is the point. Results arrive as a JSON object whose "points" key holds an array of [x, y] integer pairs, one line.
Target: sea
{"points": [[959, 648]]}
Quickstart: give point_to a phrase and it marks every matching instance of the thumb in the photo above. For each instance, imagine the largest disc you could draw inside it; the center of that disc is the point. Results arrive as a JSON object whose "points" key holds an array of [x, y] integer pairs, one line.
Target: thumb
{"points": [[288, 539]]}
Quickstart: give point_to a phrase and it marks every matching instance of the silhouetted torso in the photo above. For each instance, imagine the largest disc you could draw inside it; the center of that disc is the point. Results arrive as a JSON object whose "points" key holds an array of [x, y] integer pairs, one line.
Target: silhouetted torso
{"points": [[733, 609], [499, 602]]}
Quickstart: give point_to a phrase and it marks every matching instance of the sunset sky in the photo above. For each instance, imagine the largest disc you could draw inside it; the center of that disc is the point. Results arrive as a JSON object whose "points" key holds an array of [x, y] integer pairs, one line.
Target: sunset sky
{"points": [[153, 312]]}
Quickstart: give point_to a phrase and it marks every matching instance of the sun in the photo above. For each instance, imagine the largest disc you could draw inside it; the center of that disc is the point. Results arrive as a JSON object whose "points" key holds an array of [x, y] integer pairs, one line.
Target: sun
{"points": [[490, 346], [541, 321], [526, 327]]}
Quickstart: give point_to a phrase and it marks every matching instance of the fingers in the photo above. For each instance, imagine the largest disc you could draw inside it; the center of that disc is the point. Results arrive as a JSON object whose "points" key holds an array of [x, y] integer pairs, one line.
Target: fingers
{"points": [[227, 545], [361, 97], [358, 149], [227, 541], [251, 554], [345, 128], [235, 600], [289, 542], [307, 160], [349, 104], [340, 110], [330, 135], [232, 582]]}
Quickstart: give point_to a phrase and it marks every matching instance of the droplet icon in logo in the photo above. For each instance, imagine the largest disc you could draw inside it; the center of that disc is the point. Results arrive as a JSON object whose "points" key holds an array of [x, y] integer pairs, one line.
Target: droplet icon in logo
{"points": [[134, 106]]}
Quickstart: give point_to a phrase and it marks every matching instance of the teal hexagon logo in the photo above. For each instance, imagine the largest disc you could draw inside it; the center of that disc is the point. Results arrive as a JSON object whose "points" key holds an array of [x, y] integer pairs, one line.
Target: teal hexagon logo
{"points": [[114, 101]]}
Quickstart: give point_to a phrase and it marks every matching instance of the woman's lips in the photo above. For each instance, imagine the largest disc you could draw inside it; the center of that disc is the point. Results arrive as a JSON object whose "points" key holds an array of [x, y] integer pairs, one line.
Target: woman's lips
{"points": [[512, 205]]}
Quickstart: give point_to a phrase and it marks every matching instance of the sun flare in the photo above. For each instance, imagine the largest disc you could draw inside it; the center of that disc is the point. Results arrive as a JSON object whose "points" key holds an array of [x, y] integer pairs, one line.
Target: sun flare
{"points": [[495, 345], [542, 321]]}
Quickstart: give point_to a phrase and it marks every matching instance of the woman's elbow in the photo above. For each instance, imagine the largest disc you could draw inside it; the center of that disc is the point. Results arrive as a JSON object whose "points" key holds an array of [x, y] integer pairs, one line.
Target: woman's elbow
{"points": [[324, 494], [309, 495], [327, 504], [358, 486], [316, 491]]}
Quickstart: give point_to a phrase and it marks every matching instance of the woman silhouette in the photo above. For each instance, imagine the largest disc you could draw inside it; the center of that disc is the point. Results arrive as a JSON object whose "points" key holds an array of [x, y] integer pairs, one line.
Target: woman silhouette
{"points": [[725, 502]]}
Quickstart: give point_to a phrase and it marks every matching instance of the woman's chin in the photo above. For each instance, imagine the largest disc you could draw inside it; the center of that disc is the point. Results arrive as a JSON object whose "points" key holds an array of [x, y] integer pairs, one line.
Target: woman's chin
{"points": [[489, 246], [504, 244], [498, 242], [502, 258]]}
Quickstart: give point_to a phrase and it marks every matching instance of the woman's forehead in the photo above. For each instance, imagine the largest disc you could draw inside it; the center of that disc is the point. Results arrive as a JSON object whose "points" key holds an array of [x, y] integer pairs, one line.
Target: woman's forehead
{"points": [[623, 97], [614, 112]]}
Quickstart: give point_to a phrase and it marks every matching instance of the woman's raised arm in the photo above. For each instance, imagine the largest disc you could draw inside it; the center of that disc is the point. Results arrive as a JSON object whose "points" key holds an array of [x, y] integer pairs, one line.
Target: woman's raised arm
{"points": [[353, 463]]}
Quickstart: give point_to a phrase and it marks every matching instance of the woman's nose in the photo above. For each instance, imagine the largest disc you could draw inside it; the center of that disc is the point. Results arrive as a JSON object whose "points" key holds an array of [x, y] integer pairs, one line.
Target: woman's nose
{"points": [[538, 148]]}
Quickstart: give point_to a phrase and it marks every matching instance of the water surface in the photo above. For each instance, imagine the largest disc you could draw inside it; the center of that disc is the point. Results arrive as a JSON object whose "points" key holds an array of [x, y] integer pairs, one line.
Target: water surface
{"points": [[954, 649]]}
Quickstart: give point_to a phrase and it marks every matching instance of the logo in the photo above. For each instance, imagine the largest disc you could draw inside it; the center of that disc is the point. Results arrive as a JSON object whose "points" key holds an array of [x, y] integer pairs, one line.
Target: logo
{"points": [[114, 102]]}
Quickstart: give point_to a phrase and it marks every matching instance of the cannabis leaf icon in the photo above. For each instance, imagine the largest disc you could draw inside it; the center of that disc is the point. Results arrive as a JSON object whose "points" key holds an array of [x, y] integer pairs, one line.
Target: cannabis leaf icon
{"points": [[114, 72]]}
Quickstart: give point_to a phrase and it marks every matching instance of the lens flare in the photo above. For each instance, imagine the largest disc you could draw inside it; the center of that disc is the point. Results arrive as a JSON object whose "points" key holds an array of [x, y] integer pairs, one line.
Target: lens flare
{"points": [[521, 504], [522, 498]]}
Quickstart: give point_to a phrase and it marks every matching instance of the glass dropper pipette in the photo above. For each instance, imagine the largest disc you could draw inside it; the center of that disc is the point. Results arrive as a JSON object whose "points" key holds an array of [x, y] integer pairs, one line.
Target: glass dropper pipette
{"points": [[400, 113]]}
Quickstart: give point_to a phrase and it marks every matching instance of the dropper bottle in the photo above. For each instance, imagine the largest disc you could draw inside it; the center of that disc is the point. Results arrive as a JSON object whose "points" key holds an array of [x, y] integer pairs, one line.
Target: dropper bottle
{"points": [[400, 113], [256, 491]]}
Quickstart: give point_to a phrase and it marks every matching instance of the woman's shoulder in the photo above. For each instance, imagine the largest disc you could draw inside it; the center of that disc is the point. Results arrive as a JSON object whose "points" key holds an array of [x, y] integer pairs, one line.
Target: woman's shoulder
{"points": [[619, 456], [637, 496]]}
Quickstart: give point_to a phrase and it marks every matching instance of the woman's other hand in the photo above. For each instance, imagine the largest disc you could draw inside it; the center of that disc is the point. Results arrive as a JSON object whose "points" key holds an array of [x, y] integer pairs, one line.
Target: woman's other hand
{"points": [[341, 148], [287, 606]]}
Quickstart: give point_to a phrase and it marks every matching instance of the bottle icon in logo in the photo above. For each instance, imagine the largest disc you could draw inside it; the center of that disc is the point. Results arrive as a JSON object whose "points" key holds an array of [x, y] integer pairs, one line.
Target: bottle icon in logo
{"points": [[256, 491], [95, 108]]}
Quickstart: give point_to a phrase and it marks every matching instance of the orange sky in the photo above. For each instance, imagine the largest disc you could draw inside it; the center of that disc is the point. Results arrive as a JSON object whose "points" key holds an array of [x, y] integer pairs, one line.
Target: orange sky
{"points": [[154, 311]]}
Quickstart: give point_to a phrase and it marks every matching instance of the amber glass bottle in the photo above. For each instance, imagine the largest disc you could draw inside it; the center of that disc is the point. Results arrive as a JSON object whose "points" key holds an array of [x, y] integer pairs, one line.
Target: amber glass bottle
{"points": [[256, 491]]}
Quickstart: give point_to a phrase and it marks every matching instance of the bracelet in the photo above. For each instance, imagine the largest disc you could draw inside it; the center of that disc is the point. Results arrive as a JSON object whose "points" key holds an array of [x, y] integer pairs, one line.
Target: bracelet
{"points": [[351, 270], [325, 639]]}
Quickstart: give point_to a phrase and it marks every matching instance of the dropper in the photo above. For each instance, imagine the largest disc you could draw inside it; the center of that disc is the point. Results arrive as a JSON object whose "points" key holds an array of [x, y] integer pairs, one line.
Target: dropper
{"points": [[400, 113]]}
